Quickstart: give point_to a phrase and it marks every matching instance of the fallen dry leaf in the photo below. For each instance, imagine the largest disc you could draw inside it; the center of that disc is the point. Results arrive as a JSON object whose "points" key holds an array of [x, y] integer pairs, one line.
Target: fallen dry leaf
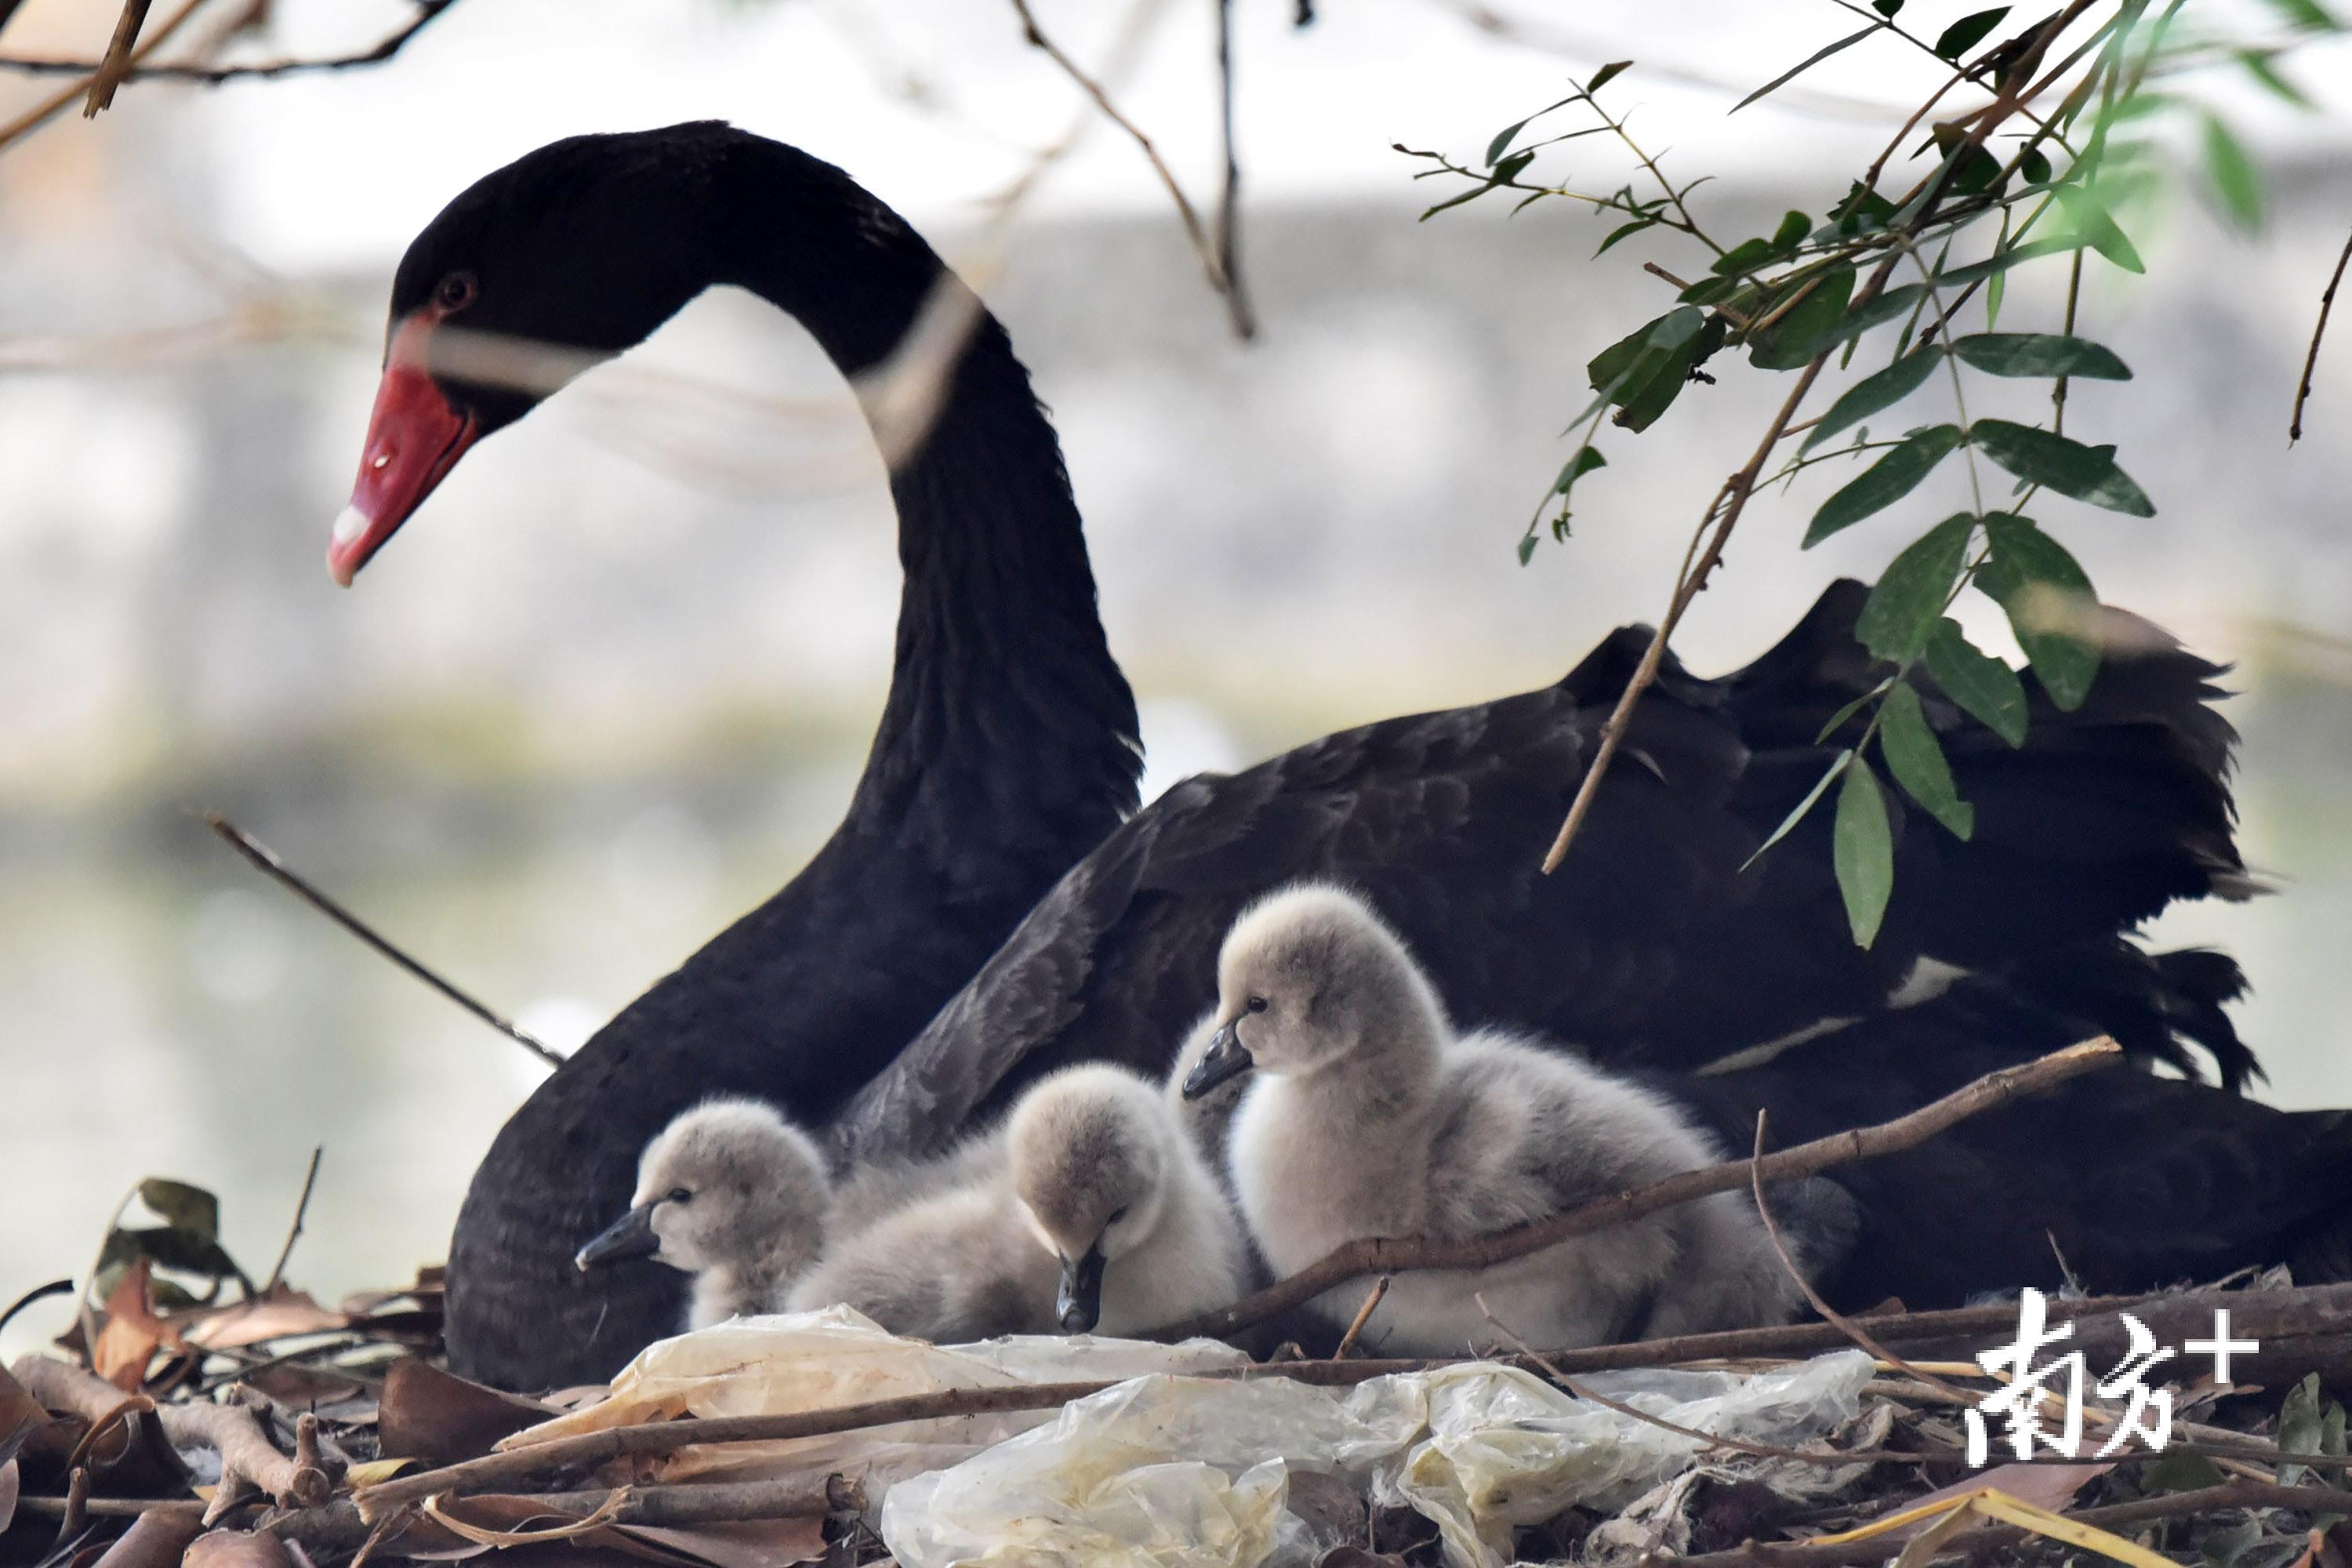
{"points": [[133, 1333], [435, 1415], [21, 1415], [236, 1548], [369, 1472], [284, 1312], [155, 1540]]}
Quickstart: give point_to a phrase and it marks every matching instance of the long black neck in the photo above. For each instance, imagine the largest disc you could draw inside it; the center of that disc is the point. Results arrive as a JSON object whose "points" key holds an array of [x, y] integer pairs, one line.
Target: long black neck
{"points": [[1009, 731]]}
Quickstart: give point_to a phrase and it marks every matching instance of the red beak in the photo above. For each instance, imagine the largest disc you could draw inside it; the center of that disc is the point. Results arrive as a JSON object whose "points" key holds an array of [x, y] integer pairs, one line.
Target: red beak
{"points": [[414, 438]]}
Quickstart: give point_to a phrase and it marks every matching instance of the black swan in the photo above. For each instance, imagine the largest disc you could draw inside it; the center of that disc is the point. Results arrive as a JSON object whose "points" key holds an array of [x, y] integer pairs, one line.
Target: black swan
{"points": [[1007, 749]]}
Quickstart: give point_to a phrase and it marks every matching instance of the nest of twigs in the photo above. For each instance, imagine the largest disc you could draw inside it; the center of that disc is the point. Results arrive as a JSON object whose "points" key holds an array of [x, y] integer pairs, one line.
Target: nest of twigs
{"points": [[268, 1428]]}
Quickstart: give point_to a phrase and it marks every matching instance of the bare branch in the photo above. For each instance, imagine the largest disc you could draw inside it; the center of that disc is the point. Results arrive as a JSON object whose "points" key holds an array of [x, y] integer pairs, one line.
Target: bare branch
{"points": [[1219, 278], [377, 53], [2319, 330], [261, 855]]}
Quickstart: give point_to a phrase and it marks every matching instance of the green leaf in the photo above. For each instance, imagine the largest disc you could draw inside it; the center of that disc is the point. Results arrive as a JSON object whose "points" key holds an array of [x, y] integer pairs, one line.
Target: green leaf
{"points": [[1838, 764], [1917, 760], [1838, 719], [1861, 209], [1528, 542], [1872, 393], [1745, 256], [1472, 194], [1619, 358], [1502, 140], [188, 1209], [2179, 1472], [1884, 482], [2035, 168], [1796, 348], [1508, 169], [1794, 228], [2047, 597], [2259, 66], [2066, 466], [2307, 15], [2089, 217], [1976, 680], [2234, 177], [1911, 593], [2016, 254], [1808, 63], [1586, 459], [1636, 227], [1658, 392], [1863, 852], [1968, 32], [2299, 1428], [2039, 353], [1607, 74], [1887, 8], [1798, 336]]}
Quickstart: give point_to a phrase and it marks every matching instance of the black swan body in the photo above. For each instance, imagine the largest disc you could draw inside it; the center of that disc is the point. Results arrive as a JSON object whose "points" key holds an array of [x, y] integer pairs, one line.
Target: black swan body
{"points": [[1006, 750]]}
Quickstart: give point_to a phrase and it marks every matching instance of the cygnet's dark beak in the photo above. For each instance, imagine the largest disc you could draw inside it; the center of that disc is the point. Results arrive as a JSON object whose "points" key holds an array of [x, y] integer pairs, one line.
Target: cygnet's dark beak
{"points": [[1226, 1058], [1078, 1303], [631, 1235]]}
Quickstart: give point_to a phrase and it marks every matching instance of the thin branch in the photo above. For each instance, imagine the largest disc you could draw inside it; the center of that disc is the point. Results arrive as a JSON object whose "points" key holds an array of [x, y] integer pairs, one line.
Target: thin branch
{"points": [[1208, 251], [1229, 200], [261, 855], [1813, 1297], [1363, 1315], [1374, 1255], [2319, 331], [377, 53], [1730, 501], [41, 113], [117, 64], [301, 1208]]}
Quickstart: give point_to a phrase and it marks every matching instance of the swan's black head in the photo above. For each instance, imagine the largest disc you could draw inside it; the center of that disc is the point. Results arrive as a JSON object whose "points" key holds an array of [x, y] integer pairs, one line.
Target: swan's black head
{"points": [[566, 257]]}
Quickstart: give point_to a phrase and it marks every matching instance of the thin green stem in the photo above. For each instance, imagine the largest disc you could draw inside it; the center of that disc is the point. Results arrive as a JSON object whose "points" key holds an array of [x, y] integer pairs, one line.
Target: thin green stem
{"points": [[1952, 366]]}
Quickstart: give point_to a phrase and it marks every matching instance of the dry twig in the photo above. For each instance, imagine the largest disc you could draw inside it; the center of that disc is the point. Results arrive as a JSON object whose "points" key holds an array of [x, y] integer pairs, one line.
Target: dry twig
{"points": [[1373, 1255], [261, 855], [1208, 251], [2319, 331], [301, 1208], [377, 53]]}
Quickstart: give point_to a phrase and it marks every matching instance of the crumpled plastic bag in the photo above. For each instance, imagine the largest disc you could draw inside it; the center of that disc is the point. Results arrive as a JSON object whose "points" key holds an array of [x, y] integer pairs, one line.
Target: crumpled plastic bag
{"points": [[1177, 1472], [799, 1362]]}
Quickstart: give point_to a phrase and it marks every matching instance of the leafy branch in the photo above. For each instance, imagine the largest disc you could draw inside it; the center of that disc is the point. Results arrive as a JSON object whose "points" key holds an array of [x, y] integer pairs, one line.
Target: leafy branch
{"points": [[2076, 132]]}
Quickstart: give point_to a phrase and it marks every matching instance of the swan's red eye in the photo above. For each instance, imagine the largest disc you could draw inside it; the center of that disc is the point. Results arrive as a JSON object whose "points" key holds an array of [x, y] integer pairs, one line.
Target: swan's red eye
{"points": [[455, 292]]}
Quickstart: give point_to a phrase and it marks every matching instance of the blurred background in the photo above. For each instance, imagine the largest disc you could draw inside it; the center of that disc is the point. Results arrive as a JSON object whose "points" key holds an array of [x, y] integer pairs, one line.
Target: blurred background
{"points": [[614, 683]]}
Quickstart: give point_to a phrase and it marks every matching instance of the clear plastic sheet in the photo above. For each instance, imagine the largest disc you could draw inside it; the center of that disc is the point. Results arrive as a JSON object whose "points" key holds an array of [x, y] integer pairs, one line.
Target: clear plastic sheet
{"points": [[1177, 1472]]}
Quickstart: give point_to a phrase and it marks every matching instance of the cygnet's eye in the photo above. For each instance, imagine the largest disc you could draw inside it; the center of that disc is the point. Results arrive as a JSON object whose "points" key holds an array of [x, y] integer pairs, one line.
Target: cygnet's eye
{"points": [[455, 292], [1116, 1215], [678, 1195], [1257, 1003]]}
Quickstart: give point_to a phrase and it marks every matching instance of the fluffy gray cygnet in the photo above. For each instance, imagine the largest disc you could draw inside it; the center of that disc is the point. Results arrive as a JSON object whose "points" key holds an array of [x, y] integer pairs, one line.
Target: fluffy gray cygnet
{"points": [[1111, 1183], [732, 1194], [1367, 1115], [737, 1196]]}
